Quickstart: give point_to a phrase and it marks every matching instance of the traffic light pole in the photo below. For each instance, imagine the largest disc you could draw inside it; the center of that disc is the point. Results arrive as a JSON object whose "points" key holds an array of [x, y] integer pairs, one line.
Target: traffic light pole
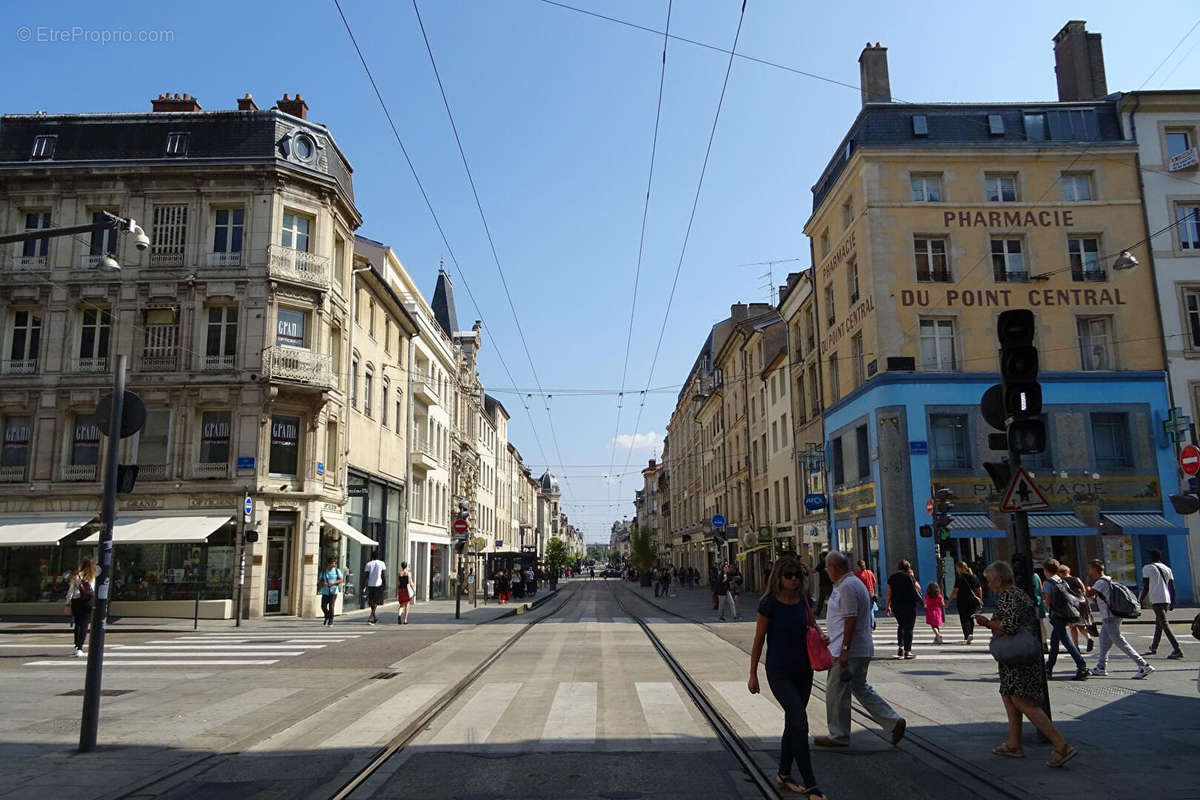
{"points": [[1021, 545]]}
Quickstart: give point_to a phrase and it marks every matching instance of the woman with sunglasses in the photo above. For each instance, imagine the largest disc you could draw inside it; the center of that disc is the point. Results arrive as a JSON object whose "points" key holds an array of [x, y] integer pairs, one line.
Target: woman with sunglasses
{"points": [[784, 617]]}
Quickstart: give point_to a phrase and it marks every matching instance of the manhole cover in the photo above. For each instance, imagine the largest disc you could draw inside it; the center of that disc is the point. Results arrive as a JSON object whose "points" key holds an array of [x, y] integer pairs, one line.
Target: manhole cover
{"points": [[103, 692]]}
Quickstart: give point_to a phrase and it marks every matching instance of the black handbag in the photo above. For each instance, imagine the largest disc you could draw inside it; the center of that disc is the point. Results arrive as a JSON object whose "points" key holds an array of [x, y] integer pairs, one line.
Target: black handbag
{"points": [[1022, 649]]}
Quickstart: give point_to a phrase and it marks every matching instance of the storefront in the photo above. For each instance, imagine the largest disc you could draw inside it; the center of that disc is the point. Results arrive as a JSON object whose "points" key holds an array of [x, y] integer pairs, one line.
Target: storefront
{"points": [[346, 545], [34, 564], [374, 509]]}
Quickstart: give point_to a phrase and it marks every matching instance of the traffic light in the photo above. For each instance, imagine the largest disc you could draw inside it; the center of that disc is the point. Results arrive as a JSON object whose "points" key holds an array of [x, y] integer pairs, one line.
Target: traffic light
{"points": [[942, 506], [1186, 503], [1020, 392], [926, 531], [460, 544]]}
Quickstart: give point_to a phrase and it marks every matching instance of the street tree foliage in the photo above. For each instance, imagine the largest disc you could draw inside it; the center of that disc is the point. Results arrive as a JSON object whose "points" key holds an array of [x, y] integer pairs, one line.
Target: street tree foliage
{"points": [[557, 555], [641, 549]]}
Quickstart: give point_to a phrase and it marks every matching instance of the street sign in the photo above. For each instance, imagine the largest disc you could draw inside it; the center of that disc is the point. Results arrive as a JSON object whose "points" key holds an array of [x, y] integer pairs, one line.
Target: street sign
{"points": [[460, 526], [929, 506], [814, 502], [718, 521], [1023, 494], [918, 448], [133, 414], [247, 508], [320, 467], [245, 462], [499, 543], [460, 537], [1189, 459]]}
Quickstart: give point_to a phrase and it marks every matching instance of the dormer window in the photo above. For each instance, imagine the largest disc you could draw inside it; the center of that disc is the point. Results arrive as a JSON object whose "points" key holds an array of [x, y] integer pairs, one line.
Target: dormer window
{"points": [[920, 125], [177, 144], [301, 146], [43, 147], [995, 124]]}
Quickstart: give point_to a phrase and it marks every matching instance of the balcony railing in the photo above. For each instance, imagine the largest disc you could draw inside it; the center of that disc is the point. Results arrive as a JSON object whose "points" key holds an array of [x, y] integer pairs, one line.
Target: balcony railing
{"points": [[1089, 275], [298, 266], [423, 387], [156, 361], [20, 366], [14, 474], [299, 365], [934, 275], [28, 264], [79, 472], [224, 259], [93, 364], [1011, 276], [92, 261], [172, 258], [218, 469], [154, 472], [217, 362]]}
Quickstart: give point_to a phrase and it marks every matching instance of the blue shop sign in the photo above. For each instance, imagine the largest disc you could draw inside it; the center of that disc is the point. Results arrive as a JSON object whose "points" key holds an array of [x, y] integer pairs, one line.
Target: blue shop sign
{"points": [[814, 502], [320, 467], [245, 462], [918, 448]]}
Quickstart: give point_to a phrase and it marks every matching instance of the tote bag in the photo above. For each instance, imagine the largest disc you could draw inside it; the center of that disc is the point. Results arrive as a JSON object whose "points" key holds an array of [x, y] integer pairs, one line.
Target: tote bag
{"points": [[1022, 649], [818, 652]]}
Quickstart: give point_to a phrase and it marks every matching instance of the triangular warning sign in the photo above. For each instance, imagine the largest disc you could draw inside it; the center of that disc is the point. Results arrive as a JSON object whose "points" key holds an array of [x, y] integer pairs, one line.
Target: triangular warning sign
{"points": [[1023, 494]]}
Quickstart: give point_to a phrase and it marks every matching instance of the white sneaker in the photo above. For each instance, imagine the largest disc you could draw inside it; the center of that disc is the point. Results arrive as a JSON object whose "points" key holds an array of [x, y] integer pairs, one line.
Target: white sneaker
{"points": [[1099, 672], [1143, 672], [78, 652]]}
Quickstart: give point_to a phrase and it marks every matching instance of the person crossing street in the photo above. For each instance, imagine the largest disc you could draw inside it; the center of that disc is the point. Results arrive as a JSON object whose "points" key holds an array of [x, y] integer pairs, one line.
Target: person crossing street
{"points": [[1110, 625], [1158, 585]]}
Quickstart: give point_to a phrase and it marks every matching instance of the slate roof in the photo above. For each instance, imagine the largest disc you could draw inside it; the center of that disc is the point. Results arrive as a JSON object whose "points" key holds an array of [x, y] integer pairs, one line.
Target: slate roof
{"points": [[443, 304]]}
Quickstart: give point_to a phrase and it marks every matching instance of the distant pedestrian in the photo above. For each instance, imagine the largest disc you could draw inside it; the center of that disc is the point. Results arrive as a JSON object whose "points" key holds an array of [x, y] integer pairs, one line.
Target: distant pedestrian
{"points": [[733, 588], [406, 592], [330, 586], [716, 580], [864, 574], [531, 581], [968, 596], [81, 598], [518, 584], [1021, 685], [851, 643], [1085, 609], [903, 599], [1042, 615], [502, 586], [824, 585], [591, 573], [1158, 584], [1063, 608], [374, 570], [784, 618], [1110, 623], [935, 610]]}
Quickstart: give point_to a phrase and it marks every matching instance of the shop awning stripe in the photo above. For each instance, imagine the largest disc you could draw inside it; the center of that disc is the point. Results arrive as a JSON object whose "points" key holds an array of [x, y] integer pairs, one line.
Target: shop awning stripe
{"points": [[156, 527], [347, 530], [23, 530], [1136, 522]]}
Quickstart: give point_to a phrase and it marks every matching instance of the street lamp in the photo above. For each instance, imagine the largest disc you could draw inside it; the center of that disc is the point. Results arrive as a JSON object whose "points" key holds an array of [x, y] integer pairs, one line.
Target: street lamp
{"points": [[108, 222]]}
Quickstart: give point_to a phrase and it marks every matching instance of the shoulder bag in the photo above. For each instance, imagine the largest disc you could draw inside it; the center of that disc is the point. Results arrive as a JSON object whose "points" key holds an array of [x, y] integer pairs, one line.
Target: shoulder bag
{"points": [[818, 652]]}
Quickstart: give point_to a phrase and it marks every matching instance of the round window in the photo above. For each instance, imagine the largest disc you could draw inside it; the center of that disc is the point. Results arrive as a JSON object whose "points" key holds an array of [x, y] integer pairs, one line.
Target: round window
{"points": [[305, 147]]}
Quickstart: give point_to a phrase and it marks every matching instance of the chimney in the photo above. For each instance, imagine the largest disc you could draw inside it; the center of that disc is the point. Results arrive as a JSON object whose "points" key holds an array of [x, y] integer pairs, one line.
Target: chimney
{"points": [[247, 103], [1079, 63], [297, 107], [873, 75], [174, 102], [738, 312], [651, 467]]}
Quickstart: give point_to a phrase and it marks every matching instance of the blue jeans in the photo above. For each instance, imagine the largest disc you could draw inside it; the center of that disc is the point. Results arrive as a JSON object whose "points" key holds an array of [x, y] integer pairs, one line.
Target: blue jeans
{"points": [[1058, 633], [792, 690]]}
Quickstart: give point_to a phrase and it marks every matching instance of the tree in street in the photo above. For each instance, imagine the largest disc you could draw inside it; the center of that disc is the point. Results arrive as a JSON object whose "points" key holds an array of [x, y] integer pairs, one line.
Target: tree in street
{"points": [[641, 553], [557, 556]]}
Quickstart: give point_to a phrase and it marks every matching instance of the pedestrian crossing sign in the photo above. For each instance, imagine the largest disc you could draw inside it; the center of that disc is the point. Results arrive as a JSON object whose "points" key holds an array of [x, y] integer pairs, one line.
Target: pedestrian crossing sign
{"points": [[1023, 494]]}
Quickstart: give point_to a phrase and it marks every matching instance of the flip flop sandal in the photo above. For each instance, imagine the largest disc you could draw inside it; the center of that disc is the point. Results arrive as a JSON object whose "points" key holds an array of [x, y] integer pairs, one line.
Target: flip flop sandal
{"points": [[1003, 750], [1059, 759], [788, 784]]}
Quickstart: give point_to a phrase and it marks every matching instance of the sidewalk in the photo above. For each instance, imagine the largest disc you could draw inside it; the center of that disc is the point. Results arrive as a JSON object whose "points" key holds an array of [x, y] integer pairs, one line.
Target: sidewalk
{"points": [[424, 613]]}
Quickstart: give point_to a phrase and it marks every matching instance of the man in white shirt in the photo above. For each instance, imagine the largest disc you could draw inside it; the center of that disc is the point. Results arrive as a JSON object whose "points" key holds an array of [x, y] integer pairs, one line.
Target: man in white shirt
{"points": [[851, 644], [374, 573], [1158, 583], [1110, 625]]}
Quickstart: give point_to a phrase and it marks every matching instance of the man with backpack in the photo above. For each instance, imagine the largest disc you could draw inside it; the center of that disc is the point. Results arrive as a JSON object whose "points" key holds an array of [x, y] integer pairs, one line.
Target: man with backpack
{"points": [[1158, 583], [1064, 610], [1116, 604]]}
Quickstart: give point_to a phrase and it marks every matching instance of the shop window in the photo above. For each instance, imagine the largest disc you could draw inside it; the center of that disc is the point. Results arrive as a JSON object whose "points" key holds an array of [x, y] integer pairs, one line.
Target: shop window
{"points": [[214, 437], [14, 456], [951, 447], [285, 445], [85, 441], [1110, 436]]}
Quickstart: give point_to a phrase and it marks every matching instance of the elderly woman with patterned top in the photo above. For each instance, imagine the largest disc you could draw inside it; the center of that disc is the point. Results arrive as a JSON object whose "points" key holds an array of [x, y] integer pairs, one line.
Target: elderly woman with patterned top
{"points": [[784, 617], [1021, 685]]}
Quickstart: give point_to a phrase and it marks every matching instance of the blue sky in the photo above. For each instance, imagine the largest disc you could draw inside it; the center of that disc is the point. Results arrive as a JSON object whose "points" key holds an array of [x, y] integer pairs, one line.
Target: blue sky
{"points": [[556, 111]]}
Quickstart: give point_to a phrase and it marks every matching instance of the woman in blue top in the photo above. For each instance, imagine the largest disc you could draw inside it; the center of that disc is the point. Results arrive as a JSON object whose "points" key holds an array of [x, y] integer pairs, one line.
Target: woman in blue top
{"points": [[783, 621], [330, 583]]}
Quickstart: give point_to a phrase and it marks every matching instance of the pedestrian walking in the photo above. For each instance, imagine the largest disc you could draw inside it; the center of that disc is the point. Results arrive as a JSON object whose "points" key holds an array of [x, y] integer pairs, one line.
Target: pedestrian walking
{"points": [[531, 581], [903, 598], [518, 584], [1042, 615], [784, 618], [1063, 609], [1085, 609], [1021, 685], [935, 610], [81, 599], [968, 598], [716, 581], [824, 585], [733, 588], [406, 592], [852, 645], [864, 574], [330, 586], [1158, 584], [1110, 624], [374, 571], [502, 586]]}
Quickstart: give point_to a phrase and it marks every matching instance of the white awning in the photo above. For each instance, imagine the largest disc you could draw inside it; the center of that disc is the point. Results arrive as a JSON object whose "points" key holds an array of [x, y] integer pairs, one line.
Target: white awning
{"points": [[158, 527], [23, 530], [341, 526]]}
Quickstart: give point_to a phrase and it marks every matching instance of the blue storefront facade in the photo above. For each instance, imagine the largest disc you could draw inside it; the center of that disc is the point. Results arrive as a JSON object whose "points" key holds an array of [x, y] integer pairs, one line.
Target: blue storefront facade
{"points": [[1107, 472]]}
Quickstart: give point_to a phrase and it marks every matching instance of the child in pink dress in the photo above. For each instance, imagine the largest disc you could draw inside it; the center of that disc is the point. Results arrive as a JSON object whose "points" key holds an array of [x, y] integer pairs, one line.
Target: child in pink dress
{"points": [[935, 614]]}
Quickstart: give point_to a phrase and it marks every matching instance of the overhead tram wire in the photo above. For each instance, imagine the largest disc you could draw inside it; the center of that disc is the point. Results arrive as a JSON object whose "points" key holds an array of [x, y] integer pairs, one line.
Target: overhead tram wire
{"points": [[637, 274], [437, 222], [691, 220], [487, 229], [1167, 57]]}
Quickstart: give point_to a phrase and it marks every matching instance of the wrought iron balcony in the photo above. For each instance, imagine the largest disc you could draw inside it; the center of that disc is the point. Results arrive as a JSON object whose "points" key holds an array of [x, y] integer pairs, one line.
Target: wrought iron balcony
{"points": [[28, 264], [92, 261], [94, 364], [160, 360], [154, 472], [79, 472], [1089, 275], [20, 366], [13, 474], [171, 258], [298, 365], [224, 259], [218, 469], [298, 266], [215, 363]]}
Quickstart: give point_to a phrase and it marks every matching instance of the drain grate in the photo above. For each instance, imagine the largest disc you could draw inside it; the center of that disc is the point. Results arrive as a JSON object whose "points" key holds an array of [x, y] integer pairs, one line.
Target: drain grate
{"points": [[383, 676], [103, 692], [1104, 692]]}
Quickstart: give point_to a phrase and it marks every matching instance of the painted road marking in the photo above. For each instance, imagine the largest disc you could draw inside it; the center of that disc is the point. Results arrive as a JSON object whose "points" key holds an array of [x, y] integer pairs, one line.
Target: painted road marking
{"points": [[112, 662], [474, 722], [572, 718], [760, 714], [665, 714]]}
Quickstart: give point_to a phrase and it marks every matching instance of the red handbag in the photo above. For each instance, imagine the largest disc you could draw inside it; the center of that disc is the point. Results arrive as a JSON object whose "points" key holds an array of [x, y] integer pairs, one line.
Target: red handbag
{"points": [[818, 652]]}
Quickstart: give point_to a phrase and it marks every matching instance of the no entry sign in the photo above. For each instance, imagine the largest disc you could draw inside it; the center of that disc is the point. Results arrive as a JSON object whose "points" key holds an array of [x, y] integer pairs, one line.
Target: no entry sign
{"points": [[1189, 459], [459, 526], [929, 506]]}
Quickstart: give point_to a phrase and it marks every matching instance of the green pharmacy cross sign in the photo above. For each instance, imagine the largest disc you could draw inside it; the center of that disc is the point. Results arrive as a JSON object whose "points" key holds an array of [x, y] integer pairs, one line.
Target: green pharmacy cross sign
{"points": [[1177, 424]]}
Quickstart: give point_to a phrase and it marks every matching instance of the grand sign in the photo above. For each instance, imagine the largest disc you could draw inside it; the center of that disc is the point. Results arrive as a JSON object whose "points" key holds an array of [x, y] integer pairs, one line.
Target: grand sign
{"points": [[1004, 298], [1044, 218]]}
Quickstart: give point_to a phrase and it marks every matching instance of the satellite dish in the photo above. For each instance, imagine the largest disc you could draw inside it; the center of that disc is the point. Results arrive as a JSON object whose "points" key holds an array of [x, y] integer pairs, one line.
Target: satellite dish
{"points": [[750, 538]]}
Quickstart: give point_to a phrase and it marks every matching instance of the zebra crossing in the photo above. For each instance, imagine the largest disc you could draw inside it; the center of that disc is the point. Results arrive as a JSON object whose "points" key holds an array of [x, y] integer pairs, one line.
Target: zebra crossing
{"points": [[217, 649]]}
